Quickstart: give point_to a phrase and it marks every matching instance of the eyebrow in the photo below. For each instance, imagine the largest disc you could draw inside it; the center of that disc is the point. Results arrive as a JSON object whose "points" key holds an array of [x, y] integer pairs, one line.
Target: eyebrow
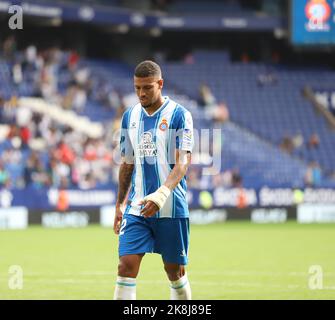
{"points": [[145, 85]]}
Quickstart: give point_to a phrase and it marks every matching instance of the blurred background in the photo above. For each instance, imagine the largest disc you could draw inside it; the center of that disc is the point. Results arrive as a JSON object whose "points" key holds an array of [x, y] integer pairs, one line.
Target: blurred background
{"points": [[260, 71]]}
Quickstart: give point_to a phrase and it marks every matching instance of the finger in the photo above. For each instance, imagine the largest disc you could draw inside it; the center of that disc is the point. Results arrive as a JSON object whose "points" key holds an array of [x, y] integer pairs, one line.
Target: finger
{"points": [[146, 210], [146, 205], [116, 222], [152, 206], [142, 202], [117, 226], [150, 210]]}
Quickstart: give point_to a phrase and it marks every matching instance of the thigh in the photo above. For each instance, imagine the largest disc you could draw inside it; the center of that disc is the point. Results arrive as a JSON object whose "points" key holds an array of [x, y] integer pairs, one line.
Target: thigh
{"points": [[172, 240], [135, 236]]}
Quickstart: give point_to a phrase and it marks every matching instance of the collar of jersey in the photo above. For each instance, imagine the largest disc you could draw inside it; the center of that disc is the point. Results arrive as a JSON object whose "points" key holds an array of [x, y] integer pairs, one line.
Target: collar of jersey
{"points": [[166, 98]]}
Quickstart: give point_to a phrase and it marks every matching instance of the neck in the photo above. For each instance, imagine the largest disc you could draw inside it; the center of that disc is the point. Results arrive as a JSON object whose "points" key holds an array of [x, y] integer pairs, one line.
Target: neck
{"points": [[154, 107]]}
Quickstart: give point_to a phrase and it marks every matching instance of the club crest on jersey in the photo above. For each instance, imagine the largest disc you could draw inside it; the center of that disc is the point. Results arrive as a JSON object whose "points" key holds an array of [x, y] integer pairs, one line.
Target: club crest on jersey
{"points": [[147, 147], [164, 125]]}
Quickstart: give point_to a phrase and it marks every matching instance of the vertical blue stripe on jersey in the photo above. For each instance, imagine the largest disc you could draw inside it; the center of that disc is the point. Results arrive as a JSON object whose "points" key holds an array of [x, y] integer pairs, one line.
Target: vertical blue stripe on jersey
{"points": [[134, 172], [171, 128], [127, 209], [156, 165], [169, 158], [142, 161], [182, 182]]}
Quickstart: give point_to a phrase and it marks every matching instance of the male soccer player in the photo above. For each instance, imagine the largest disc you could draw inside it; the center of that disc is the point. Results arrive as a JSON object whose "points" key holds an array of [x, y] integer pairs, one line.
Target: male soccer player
{"points": [[156, 145]]}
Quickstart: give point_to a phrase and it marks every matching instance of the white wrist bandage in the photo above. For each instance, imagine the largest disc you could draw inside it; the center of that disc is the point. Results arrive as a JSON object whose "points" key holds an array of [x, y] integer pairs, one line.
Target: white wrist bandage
{"points": [[159, 196]]}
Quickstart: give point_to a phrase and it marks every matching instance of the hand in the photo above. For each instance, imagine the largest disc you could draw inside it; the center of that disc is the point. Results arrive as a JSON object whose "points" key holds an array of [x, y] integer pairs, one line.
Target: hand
{"points": [[155, 201], [150, 208], [117, 219]]}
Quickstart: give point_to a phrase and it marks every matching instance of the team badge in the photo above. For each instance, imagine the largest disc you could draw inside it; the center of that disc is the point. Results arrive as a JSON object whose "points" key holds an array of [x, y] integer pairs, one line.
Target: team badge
{"points": [[164, 125], [318, 13]]}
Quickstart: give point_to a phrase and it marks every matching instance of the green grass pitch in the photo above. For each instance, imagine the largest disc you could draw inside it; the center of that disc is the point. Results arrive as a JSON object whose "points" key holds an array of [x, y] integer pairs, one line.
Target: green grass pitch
{"points": [[234, 260]]}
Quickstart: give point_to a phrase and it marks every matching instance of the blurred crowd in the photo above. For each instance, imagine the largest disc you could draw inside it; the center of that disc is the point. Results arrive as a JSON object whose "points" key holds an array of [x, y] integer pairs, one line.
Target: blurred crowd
{"points": [[40, 152], [295, 144], [36, 150], [214, 110], [54, 155], [228, 179]]}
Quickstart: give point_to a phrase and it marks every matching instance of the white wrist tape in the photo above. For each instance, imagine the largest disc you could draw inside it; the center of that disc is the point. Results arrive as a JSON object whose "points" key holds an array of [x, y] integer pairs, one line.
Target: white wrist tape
{"points": [[159, 196]]}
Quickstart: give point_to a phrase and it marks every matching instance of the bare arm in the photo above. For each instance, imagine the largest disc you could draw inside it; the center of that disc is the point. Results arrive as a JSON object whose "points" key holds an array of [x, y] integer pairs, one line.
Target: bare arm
{"points": [[125, 173], [183, 161]]}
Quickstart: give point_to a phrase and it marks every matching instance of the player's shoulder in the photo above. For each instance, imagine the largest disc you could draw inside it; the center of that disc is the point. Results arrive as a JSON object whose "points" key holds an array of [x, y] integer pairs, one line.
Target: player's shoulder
{"points": [[130, 109], [180, 111], [127, 113], [182, 115]]}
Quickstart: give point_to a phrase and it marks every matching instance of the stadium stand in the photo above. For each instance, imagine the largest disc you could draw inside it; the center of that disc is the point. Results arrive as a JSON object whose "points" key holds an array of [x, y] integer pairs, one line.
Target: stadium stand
{"points": [[270, 109]]}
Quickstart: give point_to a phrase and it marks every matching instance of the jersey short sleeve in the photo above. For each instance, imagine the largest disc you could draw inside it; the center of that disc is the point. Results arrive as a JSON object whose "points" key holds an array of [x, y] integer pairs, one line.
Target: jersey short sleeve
{"points": [[126, 147], [185, 137]]}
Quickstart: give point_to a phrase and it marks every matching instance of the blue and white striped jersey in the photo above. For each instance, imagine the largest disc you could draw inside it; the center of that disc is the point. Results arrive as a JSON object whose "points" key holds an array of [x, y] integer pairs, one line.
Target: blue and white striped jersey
{"points": [[150, 142]]}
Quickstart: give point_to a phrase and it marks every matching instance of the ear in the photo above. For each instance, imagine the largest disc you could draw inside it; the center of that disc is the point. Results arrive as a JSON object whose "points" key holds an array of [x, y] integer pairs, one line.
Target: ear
{"points": [[160, 83]]}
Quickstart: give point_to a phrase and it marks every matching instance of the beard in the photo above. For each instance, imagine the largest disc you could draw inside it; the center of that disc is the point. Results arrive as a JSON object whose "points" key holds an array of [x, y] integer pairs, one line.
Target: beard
{"points": [[146, 106]]}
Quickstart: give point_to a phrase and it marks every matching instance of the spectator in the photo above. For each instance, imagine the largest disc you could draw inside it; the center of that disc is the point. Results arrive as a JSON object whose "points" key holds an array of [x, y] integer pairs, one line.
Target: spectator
{"points": [[298, 141], [64, 153], [30, 167], [227, 178], [189, 58], [287, 144], [25, 136], [115, 100], [313, 175], [314, 141], [245, 58], [17, 74], [63, 200], [242, 201], [207, 98], [39, 176], [52, 136], [73, 60], [23, 116], [9, 48], [267, 78], [237, 181], [220, 113], [30, 58], [4, 176]]}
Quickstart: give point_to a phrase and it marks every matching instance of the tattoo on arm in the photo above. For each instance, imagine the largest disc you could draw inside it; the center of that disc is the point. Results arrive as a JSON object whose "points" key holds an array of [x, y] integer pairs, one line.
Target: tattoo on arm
{"points": [[125, 173]]}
